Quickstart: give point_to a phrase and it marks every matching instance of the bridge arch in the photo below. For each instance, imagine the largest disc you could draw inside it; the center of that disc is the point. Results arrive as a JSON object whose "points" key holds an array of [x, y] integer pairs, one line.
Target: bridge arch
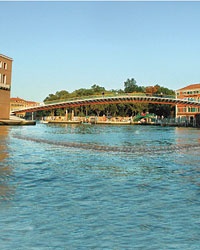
{"points": [[108, 100]]}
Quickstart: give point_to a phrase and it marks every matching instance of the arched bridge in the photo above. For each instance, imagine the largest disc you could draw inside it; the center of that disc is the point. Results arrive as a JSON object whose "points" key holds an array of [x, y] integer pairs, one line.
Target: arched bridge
{"points": [[94, 100]]}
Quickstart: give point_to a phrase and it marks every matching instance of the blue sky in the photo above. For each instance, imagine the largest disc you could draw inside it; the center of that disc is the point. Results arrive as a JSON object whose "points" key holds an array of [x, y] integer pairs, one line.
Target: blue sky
{"points": [[70, 45]]}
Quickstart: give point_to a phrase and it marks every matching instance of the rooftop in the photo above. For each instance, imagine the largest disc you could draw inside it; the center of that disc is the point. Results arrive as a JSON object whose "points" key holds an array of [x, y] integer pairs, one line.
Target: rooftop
{"points": [[9, 58], [17, 99], [191, 86]]}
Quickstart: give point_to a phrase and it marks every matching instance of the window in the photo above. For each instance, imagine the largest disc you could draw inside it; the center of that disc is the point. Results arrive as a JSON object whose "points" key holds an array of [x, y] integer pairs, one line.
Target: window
{"points": [[0, 77], [0, 64], [5, 65], [4, 79], [193, 110]]}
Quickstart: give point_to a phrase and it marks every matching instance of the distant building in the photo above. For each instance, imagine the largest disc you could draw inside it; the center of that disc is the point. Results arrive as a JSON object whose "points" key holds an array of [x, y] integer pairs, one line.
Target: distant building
{"points": [[191, 93], [5, 86], [17, 103]]}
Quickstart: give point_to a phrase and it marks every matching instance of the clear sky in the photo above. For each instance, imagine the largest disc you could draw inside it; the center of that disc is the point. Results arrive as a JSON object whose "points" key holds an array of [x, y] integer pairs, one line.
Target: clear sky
{"points": [[70, 45]]}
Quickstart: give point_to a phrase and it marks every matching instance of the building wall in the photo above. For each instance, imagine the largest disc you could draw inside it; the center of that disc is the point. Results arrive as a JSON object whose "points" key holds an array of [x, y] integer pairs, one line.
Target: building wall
{"points": [[4, 104], [5, 86], [17, 103], [191, 93]]}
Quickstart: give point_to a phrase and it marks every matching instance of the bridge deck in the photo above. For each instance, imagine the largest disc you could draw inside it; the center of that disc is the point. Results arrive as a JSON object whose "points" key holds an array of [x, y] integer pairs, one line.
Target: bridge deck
{"points": [[109, 100]]}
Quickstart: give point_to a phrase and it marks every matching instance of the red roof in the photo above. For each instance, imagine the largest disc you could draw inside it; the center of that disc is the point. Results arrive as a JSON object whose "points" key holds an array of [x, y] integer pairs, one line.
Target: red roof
{"points": [[16, 99], [191, 86], [31, 102]]}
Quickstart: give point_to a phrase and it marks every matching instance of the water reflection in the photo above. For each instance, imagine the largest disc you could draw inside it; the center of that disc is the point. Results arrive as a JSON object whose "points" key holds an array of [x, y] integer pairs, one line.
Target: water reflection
{"points": [[184, 135], [3, 143], [5, 169]]}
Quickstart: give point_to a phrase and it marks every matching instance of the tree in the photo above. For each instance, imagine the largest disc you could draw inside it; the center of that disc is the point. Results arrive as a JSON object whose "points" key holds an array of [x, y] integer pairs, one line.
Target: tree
{"points": [[157, 89], [63, 94], [161, 110], [83, 92], [120, 109], [97, 108], [165, 91], [113, 109], [151, 90], [97, 89], [130, 85], [50, 97]]}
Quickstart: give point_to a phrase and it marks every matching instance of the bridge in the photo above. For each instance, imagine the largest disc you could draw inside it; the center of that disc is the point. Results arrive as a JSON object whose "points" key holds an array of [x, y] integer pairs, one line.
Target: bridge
{"points": [[116, 99]]}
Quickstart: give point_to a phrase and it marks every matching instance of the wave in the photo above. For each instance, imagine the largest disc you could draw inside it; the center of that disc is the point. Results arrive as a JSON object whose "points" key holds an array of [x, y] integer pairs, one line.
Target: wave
{"points": [[102, 148]]}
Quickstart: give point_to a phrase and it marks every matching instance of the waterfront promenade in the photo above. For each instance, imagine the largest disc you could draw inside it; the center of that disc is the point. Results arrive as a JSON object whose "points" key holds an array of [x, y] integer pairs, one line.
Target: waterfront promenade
{"points": [[138, 120]]}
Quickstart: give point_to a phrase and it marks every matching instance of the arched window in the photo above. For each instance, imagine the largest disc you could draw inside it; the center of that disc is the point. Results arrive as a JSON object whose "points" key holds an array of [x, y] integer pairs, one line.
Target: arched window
{"points": [[5, 65], [4, 79]]}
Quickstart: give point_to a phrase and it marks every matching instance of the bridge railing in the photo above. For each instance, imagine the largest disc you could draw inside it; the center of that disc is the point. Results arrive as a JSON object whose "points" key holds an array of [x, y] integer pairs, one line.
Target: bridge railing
{"points": [[107, 96]]}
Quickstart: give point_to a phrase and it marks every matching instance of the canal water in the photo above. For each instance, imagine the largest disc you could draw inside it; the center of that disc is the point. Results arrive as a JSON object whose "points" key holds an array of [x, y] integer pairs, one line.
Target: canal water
{"points": [[99, 187]]}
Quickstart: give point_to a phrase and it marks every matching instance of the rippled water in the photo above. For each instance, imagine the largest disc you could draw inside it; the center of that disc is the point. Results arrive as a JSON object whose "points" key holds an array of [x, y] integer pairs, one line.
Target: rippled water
{"points": [[99, 187]]}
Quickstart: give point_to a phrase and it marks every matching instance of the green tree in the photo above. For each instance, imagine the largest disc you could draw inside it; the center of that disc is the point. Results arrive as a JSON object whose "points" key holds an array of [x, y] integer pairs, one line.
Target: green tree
{"points": [[130, 85], [97, 89], [59, 95], [63, 94], [50, 97], [83, 92], [165, 91], [97, 108], [161, 110]]}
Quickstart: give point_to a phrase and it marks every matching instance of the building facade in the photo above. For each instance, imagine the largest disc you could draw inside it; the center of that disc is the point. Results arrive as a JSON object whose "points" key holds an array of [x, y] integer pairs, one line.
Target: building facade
{"points": [[17, 103], [5, 86], [191, 93]]}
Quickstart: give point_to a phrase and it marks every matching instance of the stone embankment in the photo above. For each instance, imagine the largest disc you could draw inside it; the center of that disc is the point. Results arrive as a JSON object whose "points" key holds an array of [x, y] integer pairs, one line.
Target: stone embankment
{"points": [[16, 121]]}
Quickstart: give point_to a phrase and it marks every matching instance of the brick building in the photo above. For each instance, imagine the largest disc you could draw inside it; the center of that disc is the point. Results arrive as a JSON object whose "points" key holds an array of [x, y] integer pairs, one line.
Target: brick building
{"points": [[191, 93], [5, 86]]}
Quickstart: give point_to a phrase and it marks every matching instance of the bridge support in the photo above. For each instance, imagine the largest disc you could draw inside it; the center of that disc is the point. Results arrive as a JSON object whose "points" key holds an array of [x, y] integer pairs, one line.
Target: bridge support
{"points": [[52, 112], [72, 116], [66, 114], [69, 115]]}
